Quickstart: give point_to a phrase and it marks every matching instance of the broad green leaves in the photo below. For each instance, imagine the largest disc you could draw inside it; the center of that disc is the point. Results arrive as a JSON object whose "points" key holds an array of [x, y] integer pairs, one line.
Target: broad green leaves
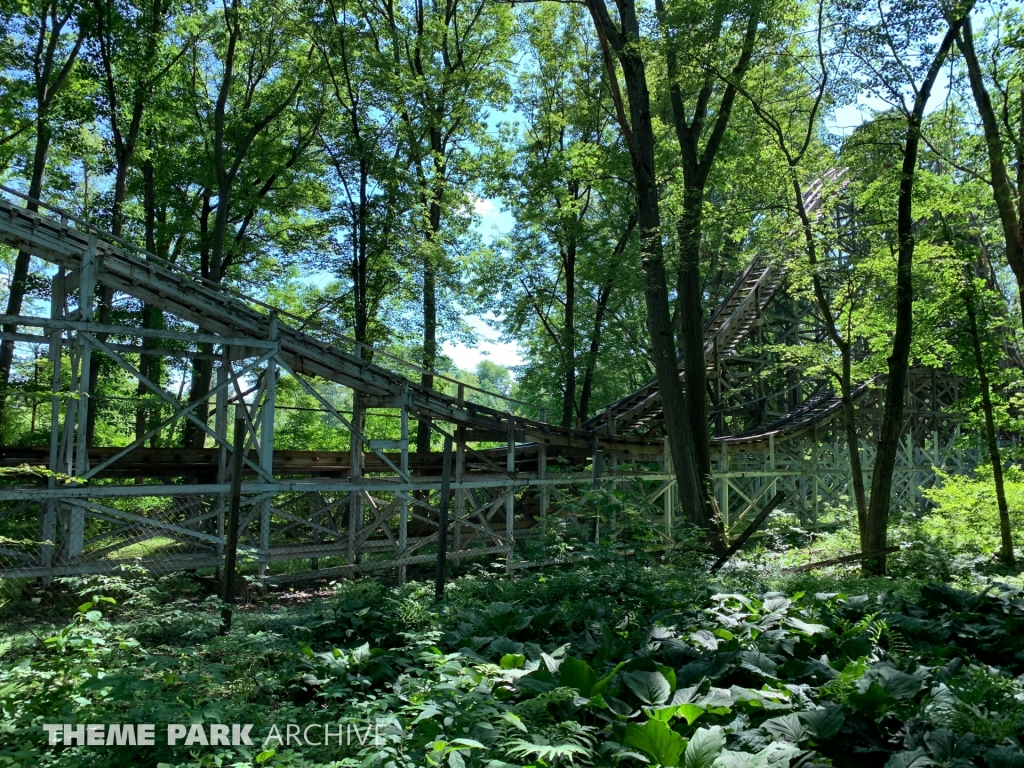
{"points": [[577, 674], [704, 747], [657, 740], [652, 688]]}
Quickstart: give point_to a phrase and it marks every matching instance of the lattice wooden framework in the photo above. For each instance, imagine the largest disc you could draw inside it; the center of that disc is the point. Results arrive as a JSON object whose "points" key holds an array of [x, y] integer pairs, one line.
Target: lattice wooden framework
{"points": [[376, 506]]}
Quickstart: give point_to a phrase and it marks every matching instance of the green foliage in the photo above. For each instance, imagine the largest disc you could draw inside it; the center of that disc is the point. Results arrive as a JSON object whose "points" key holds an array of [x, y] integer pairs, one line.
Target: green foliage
{"points": [[642, 666], [965, 521]]}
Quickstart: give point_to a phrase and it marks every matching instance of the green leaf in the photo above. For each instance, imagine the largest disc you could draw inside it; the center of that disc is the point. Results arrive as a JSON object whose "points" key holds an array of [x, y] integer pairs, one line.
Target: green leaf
{"points": [[656, 739], [515, 720], [1004, 757], [916, 759], [650, 687], [802, 626], [787, 728], [823, 724], [776, 755], [945, 747], [538, 681], [704, 747], [577, 674], [896, 684], [604, 682], [775, 604], [665, 714], [706, 639], [689, 711], [670, 675], [758, 663], [512, 661]]}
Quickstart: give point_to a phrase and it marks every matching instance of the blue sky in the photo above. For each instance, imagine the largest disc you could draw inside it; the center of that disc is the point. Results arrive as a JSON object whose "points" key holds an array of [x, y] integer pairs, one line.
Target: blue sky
{"points": [[493, 223]]}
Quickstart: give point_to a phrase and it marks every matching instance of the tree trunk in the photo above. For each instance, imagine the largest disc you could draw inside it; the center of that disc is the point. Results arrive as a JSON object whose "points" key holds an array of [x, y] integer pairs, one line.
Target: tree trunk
{"points": [[149, 366], [853, 445], [106, 301], [595, 345], [846, 354], [19, 280], [430, 264], [990, 426], [638, 132], [899, 361], [691, 314], [602, 307], [569, 337], [202, 370], [429, 321], [1001, 189]]}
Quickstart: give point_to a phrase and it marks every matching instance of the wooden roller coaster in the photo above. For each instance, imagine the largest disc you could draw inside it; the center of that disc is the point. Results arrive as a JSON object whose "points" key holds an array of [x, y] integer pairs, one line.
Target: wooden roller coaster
{"points": [[375, 506]]}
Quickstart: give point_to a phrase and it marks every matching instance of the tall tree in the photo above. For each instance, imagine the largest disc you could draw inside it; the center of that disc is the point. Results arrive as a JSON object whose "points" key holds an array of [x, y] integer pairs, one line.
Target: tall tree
{"points": [[553, 278], [881, 49], [623, 39], [48, 38], [699, 131], [789, 103], [1009, 203], [257, 133], [451, 60], [132, 57]]}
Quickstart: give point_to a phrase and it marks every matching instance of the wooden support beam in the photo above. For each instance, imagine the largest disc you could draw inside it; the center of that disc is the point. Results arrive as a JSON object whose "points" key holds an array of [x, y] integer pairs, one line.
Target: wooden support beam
{"points": [[748, 531], [442, 521], [841, 560]]}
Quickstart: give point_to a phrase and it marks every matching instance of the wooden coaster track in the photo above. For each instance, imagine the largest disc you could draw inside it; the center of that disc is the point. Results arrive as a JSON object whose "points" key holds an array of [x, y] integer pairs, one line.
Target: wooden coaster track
{"points": [[725, 329], [376, 505]]}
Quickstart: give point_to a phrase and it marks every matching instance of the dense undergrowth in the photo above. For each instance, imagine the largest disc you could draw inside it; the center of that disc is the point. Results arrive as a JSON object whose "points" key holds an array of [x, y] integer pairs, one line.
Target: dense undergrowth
{"points": [[616, 662]]}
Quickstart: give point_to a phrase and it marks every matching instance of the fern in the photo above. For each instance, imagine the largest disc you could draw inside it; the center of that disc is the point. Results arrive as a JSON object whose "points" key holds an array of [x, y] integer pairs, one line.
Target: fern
{"points": [[568, 742], [551, 754]]}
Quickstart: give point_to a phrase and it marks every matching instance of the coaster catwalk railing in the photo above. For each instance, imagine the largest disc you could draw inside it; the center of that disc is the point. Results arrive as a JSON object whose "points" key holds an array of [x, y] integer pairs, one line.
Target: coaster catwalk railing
{"points": [[372, 507]]}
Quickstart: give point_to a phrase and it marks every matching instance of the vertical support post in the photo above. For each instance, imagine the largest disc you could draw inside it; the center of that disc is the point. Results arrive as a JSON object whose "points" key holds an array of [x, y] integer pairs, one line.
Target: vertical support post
{"points": [[596, 470], [815, 447], [460, 494], [220, 426], [724, 504], [66, 451], [48, 526], [355, 499], [86, 294], [75, 541], [318, 501], [267, 447], [442, 520], [542, 472], [403, 504], [771, 462], [666, 497], [231, 555], [510, 466], [612, 431]]}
